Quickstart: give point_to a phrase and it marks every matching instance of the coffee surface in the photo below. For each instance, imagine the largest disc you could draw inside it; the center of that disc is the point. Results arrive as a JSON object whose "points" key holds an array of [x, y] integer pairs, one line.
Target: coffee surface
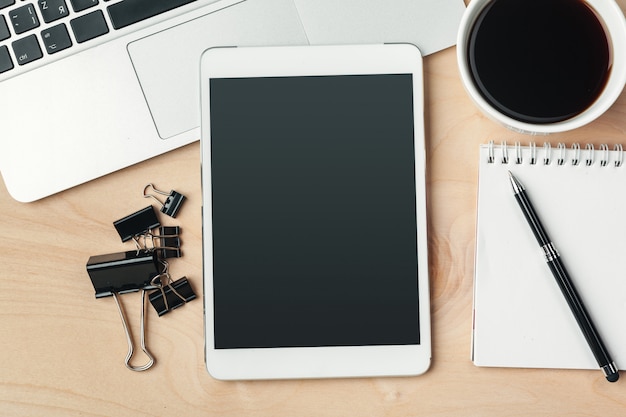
{"points": [[539, 61]]}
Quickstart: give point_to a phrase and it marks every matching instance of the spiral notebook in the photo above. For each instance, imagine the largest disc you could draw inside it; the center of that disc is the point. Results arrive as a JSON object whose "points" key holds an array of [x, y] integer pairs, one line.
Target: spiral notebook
{"points": [[521, 319]]}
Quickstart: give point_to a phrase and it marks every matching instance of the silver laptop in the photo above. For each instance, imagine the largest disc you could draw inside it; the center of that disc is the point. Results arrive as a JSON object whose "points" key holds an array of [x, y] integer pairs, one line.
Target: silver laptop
{"points": [[88, 87]]}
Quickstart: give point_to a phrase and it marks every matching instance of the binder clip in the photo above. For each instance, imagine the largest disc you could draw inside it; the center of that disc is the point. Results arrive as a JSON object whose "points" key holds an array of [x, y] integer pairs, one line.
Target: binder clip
{"points": [[172, 203], [166, 243], [171, 295], [123, 272], [169, 238], [136, 224]]}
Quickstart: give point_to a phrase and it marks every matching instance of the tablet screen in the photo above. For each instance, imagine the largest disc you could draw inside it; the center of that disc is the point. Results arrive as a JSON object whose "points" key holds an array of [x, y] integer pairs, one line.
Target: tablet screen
{"points": [[314, 211]]}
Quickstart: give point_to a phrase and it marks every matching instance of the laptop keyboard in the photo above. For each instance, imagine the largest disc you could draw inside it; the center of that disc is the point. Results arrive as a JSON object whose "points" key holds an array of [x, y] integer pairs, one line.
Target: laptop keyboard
{"points": [[34, 30]]}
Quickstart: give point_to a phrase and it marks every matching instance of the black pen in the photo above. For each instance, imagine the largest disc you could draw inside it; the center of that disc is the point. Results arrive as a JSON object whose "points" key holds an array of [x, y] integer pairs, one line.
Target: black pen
{"points": [[553, 260]]}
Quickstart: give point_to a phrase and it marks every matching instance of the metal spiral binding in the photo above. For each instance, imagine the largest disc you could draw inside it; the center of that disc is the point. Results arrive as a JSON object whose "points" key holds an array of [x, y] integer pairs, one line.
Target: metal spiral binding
{"points": [[533, 153], [620, 153], [547, 149], [605, 155], [561, 158], [590, 154], [518, 153], [587, 156], [576, 159]]}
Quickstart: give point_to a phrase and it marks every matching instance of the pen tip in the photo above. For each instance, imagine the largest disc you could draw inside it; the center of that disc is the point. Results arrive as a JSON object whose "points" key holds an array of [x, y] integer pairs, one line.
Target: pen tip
{"points": [[517, 186], [613, 377]]}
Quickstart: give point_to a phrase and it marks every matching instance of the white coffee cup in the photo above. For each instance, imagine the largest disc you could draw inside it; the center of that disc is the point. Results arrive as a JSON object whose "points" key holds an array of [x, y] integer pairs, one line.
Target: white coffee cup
{"points": [[614, 22]]}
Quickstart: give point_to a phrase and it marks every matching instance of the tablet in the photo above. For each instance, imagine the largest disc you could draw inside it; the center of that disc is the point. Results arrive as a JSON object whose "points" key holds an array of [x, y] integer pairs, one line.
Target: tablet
{"points": [[314, 214]]}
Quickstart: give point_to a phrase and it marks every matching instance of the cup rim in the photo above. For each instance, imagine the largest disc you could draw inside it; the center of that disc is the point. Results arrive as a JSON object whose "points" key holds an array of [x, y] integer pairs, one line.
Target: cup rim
{"points": [[615, 23]]}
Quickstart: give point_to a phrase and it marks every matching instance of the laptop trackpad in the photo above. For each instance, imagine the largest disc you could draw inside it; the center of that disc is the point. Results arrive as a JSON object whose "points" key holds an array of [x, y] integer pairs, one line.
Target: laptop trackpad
{"points": [[167, 63]]}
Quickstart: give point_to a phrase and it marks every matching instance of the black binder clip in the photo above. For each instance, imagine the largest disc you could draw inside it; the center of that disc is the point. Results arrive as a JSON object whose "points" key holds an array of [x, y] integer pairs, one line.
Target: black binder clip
{"points": [[137, 224], [172, 203], [138, 227], [167, 243], [123, 272], [169, 238], [171, 295]]}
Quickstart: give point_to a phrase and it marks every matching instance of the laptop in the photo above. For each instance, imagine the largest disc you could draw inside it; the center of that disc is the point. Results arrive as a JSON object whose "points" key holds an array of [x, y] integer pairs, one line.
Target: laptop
{"points": [[88, 87]]}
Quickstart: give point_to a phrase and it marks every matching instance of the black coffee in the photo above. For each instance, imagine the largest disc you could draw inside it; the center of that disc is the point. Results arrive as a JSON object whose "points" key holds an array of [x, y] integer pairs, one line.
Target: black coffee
{"points": [[539, 61]]}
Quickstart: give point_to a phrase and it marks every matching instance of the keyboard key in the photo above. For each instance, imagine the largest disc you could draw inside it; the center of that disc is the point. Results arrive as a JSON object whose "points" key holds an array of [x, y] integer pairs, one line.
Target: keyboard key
{"points": [[5, 60], [56, 39], [52, 10], [89, 26], [4, 29], [6, 3], [80, 5], [24, 18], [127, 12], [27, 49]]}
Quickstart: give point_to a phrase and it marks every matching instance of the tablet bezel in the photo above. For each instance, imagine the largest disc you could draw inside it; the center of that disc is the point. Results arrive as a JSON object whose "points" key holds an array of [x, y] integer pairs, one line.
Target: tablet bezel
{"points": [[316, 362]]}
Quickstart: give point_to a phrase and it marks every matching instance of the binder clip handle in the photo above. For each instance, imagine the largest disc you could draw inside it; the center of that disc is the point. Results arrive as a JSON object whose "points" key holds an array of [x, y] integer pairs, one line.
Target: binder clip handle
{"points": [[172, 203], [129, 339]]}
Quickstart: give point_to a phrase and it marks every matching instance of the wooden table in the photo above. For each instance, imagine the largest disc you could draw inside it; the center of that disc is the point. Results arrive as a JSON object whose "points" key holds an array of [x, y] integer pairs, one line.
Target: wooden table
{"points": [[62, 351]]}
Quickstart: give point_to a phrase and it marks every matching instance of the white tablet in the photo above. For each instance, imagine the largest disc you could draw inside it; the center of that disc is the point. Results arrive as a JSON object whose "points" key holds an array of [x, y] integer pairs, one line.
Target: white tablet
{"points": [[314, 213]]}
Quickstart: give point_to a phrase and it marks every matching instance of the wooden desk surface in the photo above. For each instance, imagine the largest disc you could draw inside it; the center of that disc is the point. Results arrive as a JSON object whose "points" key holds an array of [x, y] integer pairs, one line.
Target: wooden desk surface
{"points": [[62, 351]]}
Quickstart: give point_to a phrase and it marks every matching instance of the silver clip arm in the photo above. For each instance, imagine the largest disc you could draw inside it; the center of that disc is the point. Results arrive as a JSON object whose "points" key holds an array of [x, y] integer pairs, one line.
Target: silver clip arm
{"points": [[129, 338]]}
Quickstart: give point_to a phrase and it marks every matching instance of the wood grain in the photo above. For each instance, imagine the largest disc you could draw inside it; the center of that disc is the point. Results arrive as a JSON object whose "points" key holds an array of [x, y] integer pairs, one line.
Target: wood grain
{"points": [[62, 351]]}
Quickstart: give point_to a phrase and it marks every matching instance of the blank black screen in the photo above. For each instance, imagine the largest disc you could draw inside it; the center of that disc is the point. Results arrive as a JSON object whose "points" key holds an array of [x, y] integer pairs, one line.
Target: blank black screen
{"points": [[313, 205]]}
